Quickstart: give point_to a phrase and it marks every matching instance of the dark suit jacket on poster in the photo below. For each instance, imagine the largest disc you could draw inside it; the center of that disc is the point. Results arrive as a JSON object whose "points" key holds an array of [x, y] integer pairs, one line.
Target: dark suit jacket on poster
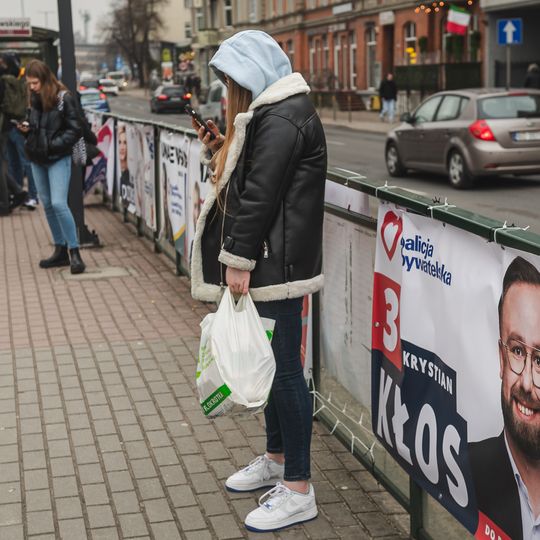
{"points": [[496, 488]]}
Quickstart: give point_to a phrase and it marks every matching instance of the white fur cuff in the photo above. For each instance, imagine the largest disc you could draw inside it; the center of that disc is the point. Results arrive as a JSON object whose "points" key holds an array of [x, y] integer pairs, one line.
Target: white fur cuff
{"points": [[234, 261]]}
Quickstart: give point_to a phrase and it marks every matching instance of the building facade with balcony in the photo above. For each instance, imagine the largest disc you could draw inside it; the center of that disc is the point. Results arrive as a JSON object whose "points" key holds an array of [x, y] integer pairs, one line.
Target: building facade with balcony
{"points": [[345, 48]]}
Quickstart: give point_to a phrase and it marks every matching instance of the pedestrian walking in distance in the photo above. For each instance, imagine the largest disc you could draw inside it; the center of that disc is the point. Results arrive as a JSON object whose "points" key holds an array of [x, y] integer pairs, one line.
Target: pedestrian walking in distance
{"points": [[532, 80], [260, 230], [53, 129], [388, 94]]}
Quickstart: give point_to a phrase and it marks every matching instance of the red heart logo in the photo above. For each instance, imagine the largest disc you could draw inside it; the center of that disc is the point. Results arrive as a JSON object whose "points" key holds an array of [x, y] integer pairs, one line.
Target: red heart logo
{"points": [[391, 230]]}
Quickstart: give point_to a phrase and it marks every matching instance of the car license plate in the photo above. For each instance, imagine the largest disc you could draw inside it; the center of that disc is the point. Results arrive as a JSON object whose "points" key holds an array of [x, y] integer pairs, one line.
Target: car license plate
{"points": [[521, 136], [175, 99]]}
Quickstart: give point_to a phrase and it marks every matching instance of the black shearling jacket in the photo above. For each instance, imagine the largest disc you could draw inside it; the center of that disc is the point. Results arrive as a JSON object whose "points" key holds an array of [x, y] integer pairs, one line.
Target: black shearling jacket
{"points": [[273, 201], [52, 133]]}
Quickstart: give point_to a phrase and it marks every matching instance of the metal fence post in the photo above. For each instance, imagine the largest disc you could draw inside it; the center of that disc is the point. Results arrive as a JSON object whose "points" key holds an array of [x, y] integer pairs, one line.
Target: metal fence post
{"points": [[157, 190], [349, 105], [334, 106], [416, 495]]}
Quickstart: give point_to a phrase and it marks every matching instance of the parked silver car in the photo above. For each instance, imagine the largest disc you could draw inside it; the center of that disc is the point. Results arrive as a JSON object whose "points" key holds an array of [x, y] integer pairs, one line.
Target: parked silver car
{"points": [[467, 134]]}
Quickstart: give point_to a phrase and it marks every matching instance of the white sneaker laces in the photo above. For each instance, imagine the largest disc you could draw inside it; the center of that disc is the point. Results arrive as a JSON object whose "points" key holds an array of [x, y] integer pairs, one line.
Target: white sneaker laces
{"points": [[255, 464], [275, 496]]}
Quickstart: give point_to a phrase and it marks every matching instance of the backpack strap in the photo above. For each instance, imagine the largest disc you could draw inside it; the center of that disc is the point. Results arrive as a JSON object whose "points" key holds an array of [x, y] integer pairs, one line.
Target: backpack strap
{"points": [[61, 95]]}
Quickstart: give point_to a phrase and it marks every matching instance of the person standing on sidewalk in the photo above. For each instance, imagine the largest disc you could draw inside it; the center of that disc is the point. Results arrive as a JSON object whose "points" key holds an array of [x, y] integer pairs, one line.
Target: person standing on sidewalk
{"points": [[260, 230], [388, 94], [14, 107], [53, 128]]}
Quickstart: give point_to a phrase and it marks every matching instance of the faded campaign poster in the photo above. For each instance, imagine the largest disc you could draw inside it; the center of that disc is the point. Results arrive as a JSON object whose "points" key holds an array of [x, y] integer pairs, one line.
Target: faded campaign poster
{"points": [[141, 150], [199, 183], [174, 151], [101, 170], [456, 370], [126, 164]]}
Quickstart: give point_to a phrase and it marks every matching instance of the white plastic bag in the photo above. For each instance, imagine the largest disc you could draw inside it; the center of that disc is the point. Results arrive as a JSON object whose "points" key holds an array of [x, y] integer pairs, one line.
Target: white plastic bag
{"points": [[236, 363]]}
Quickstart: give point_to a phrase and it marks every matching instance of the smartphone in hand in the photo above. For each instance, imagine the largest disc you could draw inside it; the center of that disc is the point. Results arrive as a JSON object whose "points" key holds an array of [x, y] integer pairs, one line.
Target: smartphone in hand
{"points": [[199, 119]]}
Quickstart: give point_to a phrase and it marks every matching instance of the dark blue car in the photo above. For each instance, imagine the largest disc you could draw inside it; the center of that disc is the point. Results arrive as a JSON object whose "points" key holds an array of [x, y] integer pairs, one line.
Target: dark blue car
{"points": [[94, 99]]}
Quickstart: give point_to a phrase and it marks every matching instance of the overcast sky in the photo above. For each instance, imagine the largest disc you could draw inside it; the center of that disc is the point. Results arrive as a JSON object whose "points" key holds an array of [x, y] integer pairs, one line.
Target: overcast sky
{"points": [[35, 9]]}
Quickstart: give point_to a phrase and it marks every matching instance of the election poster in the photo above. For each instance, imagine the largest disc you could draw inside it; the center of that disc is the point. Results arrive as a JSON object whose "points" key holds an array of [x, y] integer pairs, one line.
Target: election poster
{"points": [[174, 152], [456, 369], [141, 163], [198, 185], [101, 171], [127, 157]]}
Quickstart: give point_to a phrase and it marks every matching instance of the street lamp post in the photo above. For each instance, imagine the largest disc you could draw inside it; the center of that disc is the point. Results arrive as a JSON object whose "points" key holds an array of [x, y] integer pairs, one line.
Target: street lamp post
{"points": [[69, 78], [22, 8]]}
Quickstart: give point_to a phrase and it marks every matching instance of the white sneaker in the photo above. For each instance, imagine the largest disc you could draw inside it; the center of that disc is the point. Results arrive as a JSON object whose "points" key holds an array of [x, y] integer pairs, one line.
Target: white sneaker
{"points": [[281, 507], [31, 203], [261, 472]]}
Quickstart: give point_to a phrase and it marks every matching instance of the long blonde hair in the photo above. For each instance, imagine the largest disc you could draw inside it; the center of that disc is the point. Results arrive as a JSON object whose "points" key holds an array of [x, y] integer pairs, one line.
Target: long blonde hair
{"points": [[238, 101]]}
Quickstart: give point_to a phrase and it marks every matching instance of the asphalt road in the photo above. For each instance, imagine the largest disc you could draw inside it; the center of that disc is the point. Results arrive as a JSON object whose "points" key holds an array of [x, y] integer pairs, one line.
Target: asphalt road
{"points": [[512, 199]]}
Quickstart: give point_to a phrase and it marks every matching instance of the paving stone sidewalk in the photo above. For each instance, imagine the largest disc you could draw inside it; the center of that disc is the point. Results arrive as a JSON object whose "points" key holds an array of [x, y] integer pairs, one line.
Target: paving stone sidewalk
{"points": [[101, 435]]}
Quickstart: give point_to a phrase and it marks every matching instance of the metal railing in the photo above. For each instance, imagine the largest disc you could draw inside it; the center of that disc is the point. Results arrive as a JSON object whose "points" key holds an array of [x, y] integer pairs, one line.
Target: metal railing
{"points": [[344, 415]]}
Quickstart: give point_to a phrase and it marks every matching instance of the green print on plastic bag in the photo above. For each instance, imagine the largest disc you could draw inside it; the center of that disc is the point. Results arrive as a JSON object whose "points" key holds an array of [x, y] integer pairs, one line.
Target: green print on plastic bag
{"points": [[205, 359], [215, 399]]}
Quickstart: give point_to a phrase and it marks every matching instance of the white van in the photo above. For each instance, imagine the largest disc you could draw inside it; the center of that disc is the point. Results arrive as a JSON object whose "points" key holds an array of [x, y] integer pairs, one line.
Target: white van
{"points": [[119, 78], [215, 106]]}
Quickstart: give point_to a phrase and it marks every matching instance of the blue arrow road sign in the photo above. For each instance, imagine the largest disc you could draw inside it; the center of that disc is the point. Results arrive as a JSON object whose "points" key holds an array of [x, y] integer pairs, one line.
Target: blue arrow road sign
{"points": [[510, 31]]}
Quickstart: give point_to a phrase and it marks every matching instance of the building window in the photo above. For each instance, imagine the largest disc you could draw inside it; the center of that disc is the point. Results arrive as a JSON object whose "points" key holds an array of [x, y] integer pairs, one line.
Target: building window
{"points": [[326, 52], [253, 11], [187, 30], [269, 9], [199, 18], [227, 6], [352, 58], [290, 6], [409, 32], [279, 9], [311, 46], [337, 54], [371, 46], [311, 4], [290, 52]]}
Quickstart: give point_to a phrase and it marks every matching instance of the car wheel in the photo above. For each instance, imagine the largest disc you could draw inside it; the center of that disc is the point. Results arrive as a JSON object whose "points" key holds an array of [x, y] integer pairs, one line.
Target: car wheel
{"points": [[458, 172], [393, 161]]}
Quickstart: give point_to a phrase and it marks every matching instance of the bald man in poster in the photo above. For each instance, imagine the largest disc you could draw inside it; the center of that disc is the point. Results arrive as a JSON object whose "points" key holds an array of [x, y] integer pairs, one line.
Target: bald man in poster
{"points": [[506, 469]]}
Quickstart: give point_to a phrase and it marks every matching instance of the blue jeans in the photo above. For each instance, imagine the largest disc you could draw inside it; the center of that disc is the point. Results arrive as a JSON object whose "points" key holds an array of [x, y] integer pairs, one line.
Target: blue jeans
{"points": [[388, 107], [288, 413], [18, 164], [52, 183]]}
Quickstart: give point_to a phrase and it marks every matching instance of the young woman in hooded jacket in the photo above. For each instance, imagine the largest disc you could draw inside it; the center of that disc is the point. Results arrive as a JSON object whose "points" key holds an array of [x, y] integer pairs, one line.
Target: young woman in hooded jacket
{"points": [[260, 230], [54, 126]]}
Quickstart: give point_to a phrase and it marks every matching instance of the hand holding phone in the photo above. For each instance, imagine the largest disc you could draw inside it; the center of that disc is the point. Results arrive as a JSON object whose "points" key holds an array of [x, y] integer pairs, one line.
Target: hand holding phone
{"points": [[199, 120]]}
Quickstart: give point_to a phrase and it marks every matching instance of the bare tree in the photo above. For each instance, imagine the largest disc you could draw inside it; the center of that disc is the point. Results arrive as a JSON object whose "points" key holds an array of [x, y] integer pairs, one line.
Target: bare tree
{"points": [[131, 26]]}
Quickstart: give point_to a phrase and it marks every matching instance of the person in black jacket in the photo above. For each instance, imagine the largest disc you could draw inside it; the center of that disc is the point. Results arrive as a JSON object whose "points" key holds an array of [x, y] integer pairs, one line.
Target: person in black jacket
{"points": [[388, 95], [54, 126], [532, 80], [260, 230]]}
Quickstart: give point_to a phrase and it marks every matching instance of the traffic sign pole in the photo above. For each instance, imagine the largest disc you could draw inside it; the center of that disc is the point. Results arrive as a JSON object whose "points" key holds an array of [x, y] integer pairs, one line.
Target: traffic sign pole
{"points": [[69, 78], [508, 66]]}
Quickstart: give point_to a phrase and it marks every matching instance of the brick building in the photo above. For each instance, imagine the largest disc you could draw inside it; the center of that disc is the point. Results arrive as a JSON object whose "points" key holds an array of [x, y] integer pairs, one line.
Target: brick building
{"points": [[346, 47]]}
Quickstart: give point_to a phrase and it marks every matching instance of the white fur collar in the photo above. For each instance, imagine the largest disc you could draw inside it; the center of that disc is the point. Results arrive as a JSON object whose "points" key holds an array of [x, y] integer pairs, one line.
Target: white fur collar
{"points": [[283, 88]]}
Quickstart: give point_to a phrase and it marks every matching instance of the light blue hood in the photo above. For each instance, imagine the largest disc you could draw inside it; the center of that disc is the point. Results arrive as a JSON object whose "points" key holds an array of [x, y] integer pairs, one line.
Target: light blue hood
{"points": [[253, 59]]}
